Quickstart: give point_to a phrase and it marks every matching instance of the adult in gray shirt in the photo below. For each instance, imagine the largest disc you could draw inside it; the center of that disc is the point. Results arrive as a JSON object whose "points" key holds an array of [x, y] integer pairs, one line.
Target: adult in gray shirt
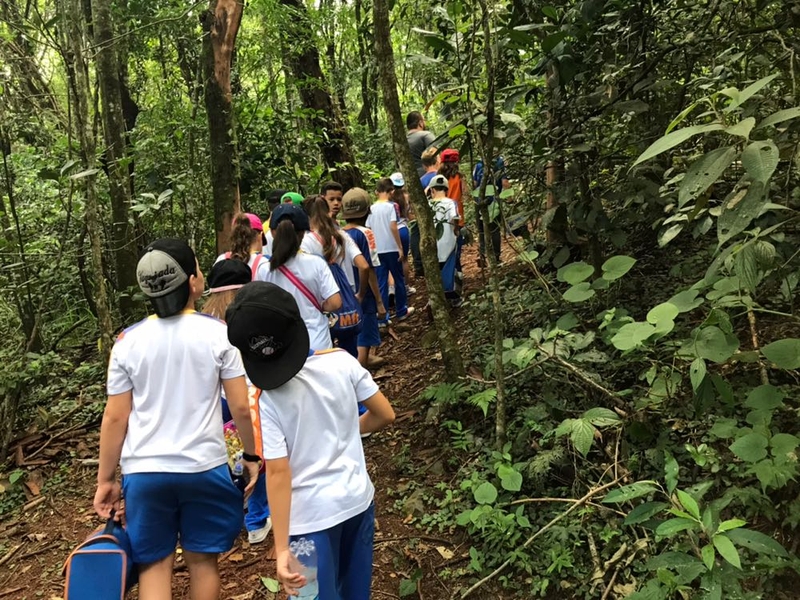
{"points": [[418, 139]]}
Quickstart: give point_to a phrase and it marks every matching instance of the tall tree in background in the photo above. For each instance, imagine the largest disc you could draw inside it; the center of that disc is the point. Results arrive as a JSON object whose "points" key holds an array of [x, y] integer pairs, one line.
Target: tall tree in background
{"points": [[451, 355], [336, 145], [108, 75], [221, 25]]}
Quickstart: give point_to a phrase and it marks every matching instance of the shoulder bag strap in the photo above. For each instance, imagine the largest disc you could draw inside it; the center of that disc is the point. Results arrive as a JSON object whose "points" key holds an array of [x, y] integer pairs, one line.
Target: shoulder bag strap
{"points": [[254, 268], [301, 286]]}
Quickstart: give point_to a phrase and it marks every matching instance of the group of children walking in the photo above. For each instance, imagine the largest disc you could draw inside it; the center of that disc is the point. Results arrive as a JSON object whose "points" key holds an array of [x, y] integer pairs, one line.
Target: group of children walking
{"points": [[290, 324]]}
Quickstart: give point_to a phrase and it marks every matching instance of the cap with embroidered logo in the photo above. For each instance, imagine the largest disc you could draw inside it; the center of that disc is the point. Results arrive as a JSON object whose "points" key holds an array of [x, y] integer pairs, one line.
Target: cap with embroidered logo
{"points": [[265, 324], [355, 203], [163, 274]]}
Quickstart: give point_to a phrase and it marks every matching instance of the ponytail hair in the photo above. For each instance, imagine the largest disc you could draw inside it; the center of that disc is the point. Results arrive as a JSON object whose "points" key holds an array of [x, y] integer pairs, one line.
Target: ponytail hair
{"points": [[449, 170], [242, 237], [323, 225], [285, 245], [384, 186], [399, 198]]}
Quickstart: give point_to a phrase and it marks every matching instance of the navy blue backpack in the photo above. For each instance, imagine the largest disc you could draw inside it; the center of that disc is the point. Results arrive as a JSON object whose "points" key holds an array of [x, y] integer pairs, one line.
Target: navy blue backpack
{"points": [[101, 568], [350, 314]]}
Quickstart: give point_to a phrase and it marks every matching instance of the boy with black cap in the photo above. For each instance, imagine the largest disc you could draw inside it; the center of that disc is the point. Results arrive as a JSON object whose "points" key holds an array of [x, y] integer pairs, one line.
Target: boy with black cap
{"points": [[317, 480], [162, 426], [355, 208]]}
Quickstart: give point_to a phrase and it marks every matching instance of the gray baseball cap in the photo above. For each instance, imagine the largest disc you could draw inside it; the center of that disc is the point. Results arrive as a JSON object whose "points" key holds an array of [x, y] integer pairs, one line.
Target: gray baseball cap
{"points": [[163, 274], [439, 182]]}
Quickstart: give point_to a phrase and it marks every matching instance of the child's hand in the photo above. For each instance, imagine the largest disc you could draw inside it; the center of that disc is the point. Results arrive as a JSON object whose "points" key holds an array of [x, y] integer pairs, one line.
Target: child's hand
{"points": [[106, 498], [381, 312], [291, 580], [252, 476]]}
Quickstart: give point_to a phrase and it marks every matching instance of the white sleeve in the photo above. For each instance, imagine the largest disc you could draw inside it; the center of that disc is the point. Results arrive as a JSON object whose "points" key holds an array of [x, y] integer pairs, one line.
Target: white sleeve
{"points": [[273, 441], [326, 284], [118, 380], [230, 363], [263, 271], [363, 383], [311, 245], [393, 214]]}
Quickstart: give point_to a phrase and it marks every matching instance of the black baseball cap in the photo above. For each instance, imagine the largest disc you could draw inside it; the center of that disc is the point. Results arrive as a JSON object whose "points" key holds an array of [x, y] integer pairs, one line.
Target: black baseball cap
{"points": [[228, 274], [264, 323], [295, 214], [163, 274]]}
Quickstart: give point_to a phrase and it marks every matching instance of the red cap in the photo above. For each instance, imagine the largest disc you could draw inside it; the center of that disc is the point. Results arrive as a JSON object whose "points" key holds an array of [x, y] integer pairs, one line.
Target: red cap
{"points": [[450, 155]]}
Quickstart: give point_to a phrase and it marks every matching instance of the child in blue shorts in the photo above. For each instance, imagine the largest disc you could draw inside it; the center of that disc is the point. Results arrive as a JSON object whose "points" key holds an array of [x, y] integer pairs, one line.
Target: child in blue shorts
{"points": [[162, 426], [317, 479], [355, 209]]}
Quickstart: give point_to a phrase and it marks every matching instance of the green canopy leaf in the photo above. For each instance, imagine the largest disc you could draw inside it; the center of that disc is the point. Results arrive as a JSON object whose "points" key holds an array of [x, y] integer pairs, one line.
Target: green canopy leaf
{"points": [[760, 160], [629, 492], [751, 447], [485, 493], [727, 550], [579, 293], [673, 139], [703, 172], [616, 266], [575, 272], [631, 335], [784, 353], [780, 117]]}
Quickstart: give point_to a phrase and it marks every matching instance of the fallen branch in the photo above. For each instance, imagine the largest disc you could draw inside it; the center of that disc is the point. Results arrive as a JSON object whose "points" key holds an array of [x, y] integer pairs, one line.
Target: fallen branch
{"points": [[589, 495], [8, 555], [11, 591]]}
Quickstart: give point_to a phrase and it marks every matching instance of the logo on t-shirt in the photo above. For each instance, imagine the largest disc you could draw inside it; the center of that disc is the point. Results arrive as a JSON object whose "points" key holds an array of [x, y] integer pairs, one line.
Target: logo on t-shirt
{"points": [[265, 345]]}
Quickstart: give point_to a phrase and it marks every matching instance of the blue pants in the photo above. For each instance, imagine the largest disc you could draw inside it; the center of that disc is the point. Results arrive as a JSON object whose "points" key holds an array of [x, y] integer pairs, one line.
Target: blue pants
{"points": [[257, 505], [448, 269], [344, 557], [349, 342], [459, 246], [390, 263], [405, 239]]}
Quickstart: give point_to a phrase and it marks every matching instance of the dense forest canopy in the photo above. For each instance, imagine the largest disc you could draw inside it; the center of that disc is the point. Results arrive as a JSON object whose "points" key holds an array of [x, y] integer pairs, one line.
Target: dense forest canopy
{"points": [[637, 360]]}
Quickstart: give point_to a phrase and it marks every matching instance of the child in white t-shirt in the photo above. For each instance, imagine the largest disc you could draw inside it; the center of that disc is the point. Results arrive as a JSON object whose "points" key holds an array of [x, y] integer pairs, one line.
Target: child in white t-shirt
{"points": [[304, 276], [162, 426], [317, 480], [445, 218], [247, 241]]}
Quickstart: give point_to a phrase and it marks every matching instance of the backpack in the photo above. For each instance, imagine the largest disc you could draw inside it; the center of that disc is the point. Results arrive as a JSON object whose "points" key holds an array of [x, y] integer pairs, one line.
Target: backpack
{"points": [[254, 268], [101, 567]]}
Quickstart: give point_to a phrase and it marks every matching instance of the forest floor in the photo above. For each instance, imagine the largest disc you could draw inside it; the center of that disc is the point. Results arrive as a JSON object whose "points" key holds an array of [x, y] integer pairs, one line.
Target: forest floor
{"points": [[37, 538]]}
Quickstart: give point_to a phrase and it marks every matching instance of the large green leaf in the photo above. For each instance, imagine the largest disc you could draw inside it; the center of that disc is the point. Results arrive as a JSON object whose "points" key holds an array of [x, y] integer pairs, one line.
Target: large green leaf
{"points": [[582, 435], [751, 447], [712, 344], [662, 312], [703, 172], [760, 160], [708, 556], [780, 117], [644, 512], [630, 492], [575, 272], [485, 493], [616, 266], [673, 139], [631, 335], [750, 91], [739, 208], [764, 397], [672, 526], [579, 292], [742, 128], [757, 542], [784, 353], [689, 503], [602, 417], [727, 550], [697, 373]]}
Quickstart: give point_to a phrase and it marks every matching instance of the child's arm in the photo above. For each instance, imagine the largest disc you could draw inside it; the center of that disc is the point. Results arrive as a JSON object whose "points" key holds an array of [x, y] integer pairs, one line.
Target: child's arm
{"points": [[363, 275], [376, 291], [279, 492], [396, 236], [379, 413], [238, 404], [333, 303], [112, 436]]}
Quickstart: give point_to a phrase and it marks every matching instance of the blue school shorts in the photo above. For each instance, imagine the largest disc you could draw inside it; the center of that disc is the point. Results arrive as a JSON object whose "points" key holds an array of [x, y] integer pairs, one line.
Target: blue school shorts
{"points": [[203, 510], [370, 335], [344, 557]]}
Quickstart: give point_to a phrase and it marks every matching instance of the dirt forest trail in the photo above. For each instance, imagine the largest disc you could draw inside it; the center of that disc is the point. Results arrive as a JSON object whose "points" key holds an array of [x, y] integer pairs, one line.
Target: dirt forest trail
{"points": [[35, 540]]}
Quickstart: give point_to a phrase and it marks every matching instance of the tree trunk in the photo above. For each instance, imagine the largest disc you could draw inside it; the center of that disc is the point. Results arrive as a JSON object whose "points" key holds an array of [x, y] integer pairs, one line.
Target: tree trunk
{"points": [[368, 114], [221, 25], [451, 355], [73, 43], [122, 242], [303, 59]]}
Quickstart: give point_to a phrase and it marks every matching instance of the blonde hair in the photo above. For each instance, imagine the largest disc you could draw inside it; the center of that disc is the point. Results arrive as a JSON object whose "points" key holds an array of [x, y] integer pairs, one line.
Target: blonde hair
{"points": [[218, 302], [429, 157]]}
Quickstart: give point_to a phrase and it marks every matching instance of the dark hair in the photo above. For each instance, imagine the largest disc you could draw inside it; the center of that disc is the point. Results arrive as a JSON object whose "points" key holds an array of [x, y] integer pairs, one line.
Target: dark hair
{"points": [[285, 245], [330, 186], [324, 226], [384, 186], [399, 198], [242, 237], [309, 200], [413, 119], [449, 170], [274, 198]]}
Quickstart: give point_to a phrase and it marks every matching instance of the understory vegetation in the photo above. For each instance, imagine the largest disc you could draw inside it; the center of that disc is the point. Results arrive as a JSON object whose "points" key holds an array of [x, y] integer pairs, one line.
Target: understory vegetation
{"points": [[644, 441]]}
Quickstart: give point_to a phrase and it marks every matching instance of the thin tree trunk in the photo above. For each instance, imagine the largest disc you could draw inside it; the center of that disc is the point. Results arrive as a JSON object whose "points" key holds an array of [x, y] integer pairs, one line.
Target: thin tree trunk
{"points": [[122, 243], [73, 40], [303, 59], [487, 149], [451, 355], [221, 25]]}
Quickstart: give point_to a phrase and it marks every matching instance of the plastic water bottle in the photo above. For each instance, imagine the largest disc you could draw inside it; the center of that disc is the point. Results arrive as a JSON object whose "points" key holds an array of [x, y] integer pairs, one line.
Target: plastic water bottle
{"points": [[237, 473], [305, 552]]}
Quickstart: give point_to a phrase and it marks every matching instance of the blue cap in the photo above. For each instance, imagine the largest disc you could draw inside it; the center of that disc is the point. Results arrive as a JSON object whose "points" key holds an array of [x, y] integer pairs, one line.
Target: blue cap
{"points": [[295, 214]]}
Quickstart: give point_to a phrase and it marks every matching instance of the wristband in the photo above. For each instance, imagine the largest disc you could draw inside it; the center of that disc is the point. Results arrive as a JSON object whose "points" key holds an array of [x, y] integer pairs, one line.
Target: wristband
{"points": [[251, 457]]}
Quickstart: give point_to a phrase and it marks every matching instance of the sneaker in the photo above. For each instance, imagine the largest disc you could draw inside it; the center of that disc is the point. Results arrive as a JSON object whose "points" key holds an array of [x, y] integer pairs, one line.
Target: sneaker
{"points": [[375, 361], [459, 275], [410, 312], [365, 435], [391, 290], [456, 303], [259, 535], [411, 290], [384, 324]]}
